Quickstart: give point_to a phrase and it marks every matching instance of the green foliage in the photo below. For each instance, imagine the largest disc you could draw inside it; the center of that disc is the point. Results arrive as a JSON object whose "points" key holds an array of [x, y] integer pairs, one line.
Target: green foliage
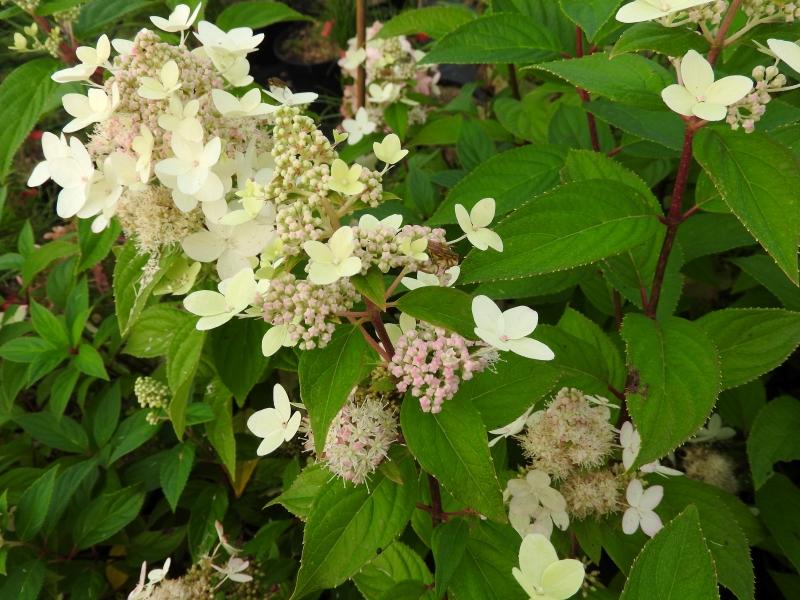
{"points": [[676, 381], [675, 564], [566, 228], [451, 445], [599, 204], [436, 21]]}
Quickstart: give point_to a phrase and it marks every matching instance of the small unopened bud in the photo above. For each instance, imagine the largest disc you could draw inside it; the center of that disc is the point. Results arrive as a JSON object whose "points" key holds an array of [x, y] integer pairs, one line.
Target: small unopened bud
{"points": [[779, 81], [771, 72], [758, 72]]}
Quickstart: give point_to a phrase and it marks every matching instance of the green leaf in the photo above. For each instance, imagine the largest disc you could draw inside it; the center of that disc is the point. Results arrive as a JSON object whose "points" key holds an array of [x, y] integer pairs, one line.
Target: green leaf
{"points": [[23, 94], [484, 572], [777, 502], [568, 129], [441, 306], [63, 434], [328, 375], [40, 258], [25, 581], [132, 433], [452, 446], [678, 381], [151, 335], [751, 341], [209, 507], [758, 178], [580, 361], [435, 21], [448, 543], [764, 270], [48, 326], [299, 497], [348, 525], [371, 286], [723, 534], [629, 78], [575, 224], [706, 234], [219, 430], [24, 349], [773, 438], [94, 247], [508, 389], [62, 389], [239, 370], [106, 515], [493, 39], [183, 358], [659, 125], [671, 41], [511, 178], [109, 405], [175, 470], [90, 362], [582, 165], [257, 15], [68, 482], [474, 145], [395, 564], [130, 297], [590, 15], [675, 565], [34, 504], [98, 13]]}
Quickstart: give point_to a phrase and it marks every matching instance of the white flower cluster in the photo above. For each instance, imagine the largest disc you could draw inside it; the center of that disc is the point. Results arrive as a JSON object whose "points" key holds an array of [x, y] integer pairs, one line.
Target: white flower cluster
{"points": [[573, 473], [392, 75]]}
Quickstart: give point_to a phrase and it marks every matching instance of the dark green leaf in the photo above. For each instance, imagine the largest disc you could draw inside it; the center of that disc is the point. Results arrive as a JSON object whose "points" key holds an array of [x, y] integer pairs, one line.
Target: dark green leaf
{"points": [[34, 504], [773, 437], [106, 515], [452, 446], [677, 368], [175, 470], [675, 565], [751, 342], [395, 564], [758, 179], [448, 543], [511, 178], [90, 362], [328, 375], [257, 15], [64, 433], [575, 224], [671, 41], [349, 525], [499, 38], [441, 306], [436, 21]]}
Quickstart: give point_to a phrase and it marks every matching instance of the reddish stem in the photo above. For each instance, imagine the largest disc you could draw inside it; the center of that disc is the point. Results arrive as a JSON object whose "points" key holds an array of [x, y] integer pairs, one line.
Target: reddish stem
{"points": [[437, 515], [585, 95], [380, 328], [719, 39], [674, 217]]}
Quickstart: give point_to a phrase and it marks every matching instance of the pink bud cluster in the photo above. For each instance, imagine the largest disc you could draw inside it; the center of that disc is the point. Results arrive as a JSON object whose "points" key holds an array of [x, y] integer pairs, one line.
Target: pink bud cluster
{"points": [[307, 310], [380, 247], [359, 437], [749, 110], [432, 362]]}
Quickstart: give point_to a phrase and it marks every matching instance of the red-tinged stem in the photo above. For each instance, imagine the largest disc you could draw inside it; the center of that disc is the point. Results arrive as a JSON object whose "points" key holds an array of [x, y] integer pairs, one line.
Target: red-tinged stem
{"points": [[375, 345], [719, 39], [437, 515], [674, 217], [380, 328], [585, 95]]}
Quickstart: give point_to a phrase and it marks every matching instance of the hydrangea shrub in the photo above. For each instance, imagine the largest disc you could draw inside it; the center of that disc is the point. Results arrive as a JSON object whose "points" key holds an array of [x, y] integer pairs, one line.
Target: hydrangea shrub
{"points": [[527, 337]]}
